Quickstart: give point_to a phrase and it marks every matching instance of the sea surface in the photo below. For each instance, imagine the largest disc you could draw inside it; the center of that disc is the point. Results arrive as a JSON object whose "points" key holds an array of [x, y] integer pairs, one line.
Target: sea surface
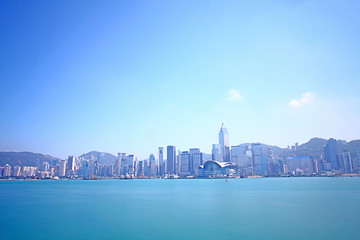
{"points": [[264, 208]]}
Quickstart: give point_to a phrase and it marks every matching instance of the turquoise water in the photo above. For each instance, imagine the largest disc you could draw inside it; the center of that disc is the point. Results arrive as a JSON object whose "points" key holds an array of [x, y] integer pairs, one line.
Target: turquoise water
{"points": [[266, 208]]}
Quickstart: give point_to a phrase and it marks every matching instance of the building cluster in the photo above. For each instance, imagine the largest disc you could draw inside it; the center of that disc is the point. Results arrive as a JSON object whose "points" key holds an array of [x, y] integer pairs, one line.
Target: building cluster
{"points": [[243, 160]]}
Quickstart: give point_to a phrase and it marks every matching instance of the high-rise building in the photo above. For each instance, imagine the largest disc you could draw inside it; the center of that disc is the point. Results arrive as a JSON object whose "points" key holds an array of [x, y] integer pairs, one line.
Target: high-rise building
{"points": [[71, 165], [152, 166], [346, 162], [15, 171], [224, 143], [118, 166], [216, 153], [256, 158], [140, 172], [130, 164], [122, 158], [7, 170], [160, 159], [197, 160], [45, 166], [185, 163], [62, 169], [193, 152], [171, 159], [331, 153]]}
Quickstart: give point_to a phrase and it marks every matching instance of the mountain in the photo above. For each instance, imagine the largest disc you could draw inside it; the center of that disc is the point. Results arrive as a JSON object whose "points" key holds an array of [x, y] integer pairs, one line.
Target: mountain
{"points": [[103, 158], [25, 159]]}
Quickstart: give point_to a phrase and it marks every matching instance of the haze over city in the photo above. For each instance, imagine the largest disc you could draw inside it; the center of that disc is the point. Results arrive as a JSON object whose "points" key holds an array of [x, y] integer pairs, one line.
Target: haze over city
{"points": [[130, 77]]}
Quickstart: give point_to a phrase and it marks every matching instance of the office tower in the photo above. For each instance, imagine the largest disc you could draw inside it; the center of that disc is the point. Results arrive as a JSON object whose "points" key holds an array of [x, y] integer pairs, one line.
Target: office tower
{"points": [[152, 166], [71, 165], [331, 153], [85, 168], [192, 152], [171, 159], [140, 170], [160, 158], [239, 157], [130, 164], [122, 158], [216, 153], [300, 165], [346, 162], [7, 171], [15, 171], [62, 169], [45, 166], [197, 160], [224, 143], [256, 158], [118, 166], [185, 163]]}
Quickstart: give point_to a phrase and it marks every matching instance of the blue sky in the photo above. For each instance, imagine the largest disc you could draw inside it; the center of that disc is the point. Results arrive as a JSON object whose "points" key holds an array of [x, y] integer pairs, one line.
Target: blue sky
{"points": [[130, 76]]}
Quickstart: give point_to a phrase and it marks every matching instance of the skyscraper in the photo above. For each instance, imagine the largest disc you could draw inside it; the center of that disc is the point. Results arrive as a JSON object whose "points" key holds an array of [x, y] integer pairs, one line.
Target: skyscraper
{"points": [[216, 153], [152, 166], [160, 159], [224, 143], [331, 153], [62, 169], [71, 165], [256, 157], [185, 163], [171, 158]]}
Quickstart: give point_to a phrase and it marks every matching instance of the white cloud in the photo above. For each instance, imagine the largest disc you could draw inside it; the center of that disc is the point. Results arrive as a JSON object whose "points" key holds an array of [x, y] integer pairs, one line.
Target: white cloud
{"points": [[234, 94], [306, 98]]}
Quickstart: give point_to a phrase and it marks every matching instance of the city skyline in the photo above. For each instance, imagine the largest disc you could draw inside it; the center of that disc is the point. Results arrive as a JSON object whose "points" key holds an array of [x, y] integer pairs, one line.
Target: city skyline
{"points": [[132, 77]]}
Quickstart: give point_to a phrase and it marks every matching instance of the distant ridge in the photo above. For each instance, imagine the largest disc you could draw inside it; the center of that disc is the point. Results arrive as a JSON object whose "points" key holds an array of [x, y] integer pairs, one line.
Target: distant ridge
{"points": [[25, 159], [107, 159]]}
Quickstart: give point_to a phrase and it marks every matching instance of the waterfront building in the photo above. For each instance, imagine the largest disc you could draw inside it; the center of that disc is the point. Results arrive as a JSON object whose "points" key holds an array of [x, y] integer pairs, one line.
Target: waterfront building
{"points": [[122, 157], [130, 165], [224, 144], [218, 169], [171, 159], [7, 170], [331, 153], [185, 163], [140, 170], [118, 166], [346, 162], [160, 160], [85, 168], [197, 161], [152, 166], [300, 165], [256, 159], [15, 171], [62, 169]]}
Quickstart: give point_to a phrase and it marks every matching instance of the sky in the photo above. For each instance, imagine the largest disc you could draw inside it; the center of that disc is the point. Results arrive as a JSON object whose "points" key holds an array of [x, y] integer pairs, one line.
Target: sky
{"points": [[131, 76]]}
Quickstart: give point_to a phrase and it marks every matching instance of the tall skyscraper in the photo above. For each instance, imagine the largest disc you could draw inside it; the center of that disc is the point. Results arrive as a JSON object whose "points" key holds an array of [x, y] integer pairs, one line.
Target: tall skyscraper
{"points": [[118, 165], [62, 169], [152, 166], [216, 153], [224, 143], [171, 158], [256, 157], [331, 153], [122, 157], [71, 165], [160, 158], [185, 163], [346, 162]]}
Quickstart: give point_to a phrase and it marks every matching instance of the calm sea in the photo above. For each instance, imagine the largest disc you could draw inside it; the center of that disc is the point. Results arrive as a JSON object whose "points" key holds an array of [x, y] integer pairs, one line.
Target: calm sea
{"points": [[266, 208]]}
